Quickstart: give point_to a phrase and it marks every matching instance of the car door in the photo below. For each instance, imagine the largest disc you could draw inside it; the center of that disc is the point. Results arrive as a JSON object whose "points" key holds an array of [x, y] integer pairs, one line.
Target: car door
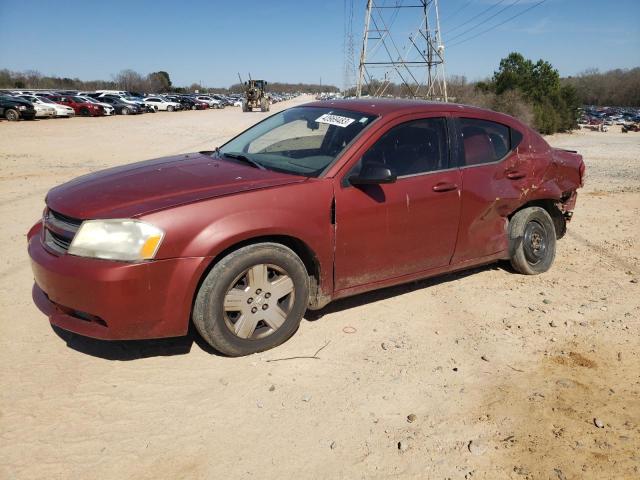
{"points": [[390, 230], [495, 173]]}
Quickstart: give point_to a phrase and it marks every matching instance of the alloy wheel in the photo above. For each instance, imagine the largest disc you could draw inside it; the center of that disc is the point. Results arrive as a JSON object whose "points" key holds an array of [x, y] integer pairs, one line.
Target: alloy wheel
{"points": [[258, 301]]}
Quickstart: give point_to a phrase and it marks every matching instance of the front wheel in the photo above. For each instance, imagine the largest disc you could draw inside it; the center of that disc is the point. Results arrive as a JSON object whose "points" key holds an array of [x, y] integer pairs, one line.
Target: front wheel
{"points": [[125, 111], [532, 241], [170, 108], [11, 115], [252, 300]]}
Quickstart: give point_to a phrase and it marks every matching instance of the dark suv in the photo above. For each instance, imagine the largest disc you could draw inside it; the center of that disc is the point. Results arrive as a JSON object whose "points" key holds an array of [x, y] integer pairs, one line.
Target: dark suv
{"points": [[13, 109], [122, 108]]}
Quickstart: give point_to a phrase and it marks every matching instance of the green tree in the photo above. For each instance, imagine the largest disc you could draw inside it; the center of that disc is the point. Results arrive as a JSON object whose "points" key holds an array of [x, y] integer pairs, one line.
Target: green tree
{"points": [[159, 81], [555, 108]]}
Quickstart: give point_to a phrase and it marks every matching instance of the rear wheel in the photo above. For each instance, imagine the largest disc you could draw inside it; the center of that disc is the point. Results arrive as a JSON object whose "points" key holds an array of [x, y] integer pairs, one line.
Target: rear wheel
{"points": [[532, 241], [252, 300], [193, 107], [12, 115]]}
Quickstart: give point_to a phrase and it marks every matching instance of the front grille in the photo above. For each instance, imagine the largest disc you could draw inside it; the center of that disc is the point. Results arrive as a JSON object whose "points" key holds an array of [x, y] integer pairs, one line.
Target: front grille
{"points": [[57, 242], [65, 222], [59, 231]]}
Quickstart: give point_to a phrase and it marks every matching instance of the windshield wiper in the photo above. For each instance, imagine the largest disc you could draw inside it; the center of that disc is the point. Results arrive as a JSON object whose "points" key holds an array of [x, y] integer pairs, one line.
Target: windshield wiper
{"points": [[243, 158]]}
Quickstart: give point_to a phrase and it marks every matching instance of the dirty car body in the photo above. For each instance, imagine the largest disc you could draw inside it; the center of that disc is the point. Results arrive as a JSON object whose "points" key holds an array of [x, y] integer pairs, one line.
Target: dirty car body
{"points": [[363, 194]]}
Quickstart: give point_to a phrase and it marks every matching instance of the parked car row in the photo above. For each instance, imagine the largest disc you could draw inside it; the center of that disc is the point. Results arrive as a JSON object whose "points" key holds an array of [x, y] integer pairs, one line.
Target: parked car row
{"points": [[31, 104], [601, 118]]}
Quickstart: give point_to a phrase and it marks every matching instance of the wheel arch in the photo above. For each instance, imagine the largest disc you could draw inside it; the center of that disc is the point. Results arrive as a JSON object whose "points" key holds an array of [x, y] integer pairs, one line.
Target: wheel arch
{"points": [[552, 207], [299, 247]]}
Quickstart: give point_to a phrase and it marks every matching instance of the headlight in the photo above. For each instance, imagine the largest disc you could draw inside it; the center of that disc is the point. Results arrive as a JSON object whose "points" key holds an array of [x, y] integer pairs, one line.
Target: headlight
{"points": [[125, 240], [21, 107]]}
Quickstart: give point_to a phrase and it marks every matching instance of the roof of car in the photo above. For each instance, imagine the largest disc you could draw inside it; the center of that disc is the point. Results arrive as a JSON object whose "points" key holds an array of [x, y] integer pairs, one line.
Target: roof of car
{"points": [[395, 106], [380, 106]]}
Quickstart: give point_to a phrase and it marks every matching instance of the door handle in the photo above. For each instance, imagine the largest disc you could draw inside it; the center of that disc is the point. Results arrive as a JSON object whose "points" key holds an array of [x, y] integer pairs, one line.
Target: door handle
{"points": [[515, 174], [444, 187]]}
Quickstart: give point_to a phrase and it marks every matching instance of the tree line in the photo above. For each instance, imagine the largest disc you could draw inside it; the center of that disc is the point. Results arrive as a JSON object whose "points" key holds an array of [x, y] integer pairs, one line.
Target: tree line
{"points": [[531, 91], [130, 80], [613, 88]]}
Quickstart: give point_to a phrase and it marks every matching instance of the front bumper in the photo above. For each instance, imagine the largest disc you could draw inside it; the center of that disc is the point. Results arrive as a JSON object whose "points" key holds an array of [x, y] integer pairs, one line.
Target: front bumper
{"points": [[114, 300], [45, 113], [27, 114]]}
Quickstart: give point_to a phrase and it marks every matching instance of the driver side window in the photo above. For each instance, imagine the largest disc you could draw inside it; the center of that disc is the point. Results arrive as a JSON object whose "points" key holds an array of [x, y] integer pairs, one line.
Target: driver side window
{"points": [[411, 148]]}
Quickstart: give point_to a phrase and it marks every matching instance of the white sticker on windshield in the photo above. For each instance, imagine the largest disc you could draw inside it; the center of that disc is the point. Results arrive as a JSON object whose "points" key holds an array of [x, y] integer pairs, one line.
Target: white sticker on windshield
{"points": [[336, 120]]}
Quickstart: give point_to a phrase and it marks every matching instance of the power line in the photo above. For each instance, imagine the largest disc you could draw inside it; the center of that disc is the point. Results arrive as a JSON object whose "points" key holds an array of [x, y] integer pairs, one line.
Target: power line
{"points": [[512, 4], [456, 12], [491, 7], [497, 25]]}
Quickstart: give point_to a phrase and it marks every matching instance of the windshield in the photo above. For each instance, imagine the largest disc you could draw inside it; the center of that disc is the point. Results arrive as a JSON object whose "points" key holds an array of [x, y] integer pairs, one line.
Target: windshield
{"points": [[45, 100], [79, 100], [301, 140]]}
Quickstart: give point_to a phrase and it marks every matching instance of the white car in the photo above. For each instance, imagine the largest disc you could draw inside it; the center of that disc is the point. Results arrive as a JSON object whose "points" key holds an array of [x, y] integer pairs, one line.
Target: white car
{"points": [[43, 111], [55, 109], [162, 104], [108, 108], [212, 102]]}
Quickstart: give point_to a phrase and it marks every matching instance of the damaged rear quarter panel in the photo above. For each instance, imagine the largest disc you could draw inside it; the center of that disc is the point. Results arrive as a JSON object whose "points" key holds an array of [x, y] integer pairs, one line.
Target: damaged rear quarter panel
{"points": [[489, 196]]}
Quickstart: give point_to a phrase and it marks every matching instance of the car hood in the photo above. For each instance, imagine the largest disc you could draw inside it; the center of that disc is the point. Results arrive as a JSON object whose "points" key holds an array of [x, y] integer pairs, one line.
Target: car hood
{"points": [[139, 188]]}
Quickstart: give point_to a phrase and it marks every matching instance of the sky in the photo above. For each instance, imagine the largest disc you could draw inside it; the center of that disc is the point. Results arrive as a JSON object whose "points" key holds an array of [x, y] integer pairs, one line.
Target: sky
{"points": [[210, 41]]}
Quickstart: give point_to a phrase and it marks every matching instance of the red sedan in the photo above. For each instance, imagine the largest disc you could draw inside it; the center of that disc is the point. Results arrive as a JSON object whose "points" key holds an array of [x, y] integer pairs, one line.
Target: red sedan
{"points": [[315, 203], [79, 105]]}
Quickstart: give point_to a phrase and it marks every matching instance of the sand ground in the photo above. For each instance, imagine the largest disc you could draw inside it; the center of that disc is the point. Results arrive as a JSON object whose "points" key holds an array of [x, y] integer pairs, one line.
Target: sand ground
{"points": [[504, 373]]}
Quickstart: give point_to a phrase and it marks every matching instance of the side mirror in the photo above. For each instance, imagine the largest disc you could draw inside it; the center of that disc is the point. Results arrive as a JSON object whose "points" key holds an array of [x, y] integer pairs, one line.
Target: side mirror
{"points": [[373, 175]]}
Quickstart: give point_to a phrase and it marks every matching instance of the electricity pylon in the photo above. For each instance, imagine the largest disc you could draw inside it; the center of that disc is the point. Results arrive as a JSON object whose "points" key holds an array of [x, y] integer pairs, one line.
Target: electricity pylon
{"points": [[418, 66], [349, 79]]}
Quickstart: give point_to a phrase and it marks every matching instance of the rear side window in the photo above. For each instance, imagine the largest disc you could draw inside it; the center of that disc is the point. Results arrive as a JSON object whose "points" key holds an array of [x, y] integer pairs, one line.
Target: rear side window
{"points": [[483, 141]]}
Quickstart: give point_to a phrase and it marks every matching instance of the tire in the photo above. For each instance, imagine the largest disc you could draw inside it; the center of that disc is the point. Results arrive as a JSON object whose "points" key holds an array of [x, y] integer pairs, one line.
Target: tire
{"points": [[11, 115], [170, 108], [125, 111], [532, 241], [245, 106], [193, 107], [85, 112], [234, 309]]}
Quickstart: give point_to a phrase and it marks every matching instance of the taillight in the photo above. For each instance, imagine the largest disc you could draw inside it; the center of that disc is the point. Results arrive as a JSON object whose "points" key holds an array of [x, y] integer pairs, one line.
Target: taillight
{"points": [[582, 172]]}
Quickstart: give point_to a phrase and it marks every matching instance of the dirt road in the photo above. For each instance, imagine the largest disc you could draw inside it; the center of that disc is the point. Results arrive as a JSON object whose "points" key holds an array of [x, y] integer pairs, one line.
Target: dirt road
{"points": [[504, 373]]}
